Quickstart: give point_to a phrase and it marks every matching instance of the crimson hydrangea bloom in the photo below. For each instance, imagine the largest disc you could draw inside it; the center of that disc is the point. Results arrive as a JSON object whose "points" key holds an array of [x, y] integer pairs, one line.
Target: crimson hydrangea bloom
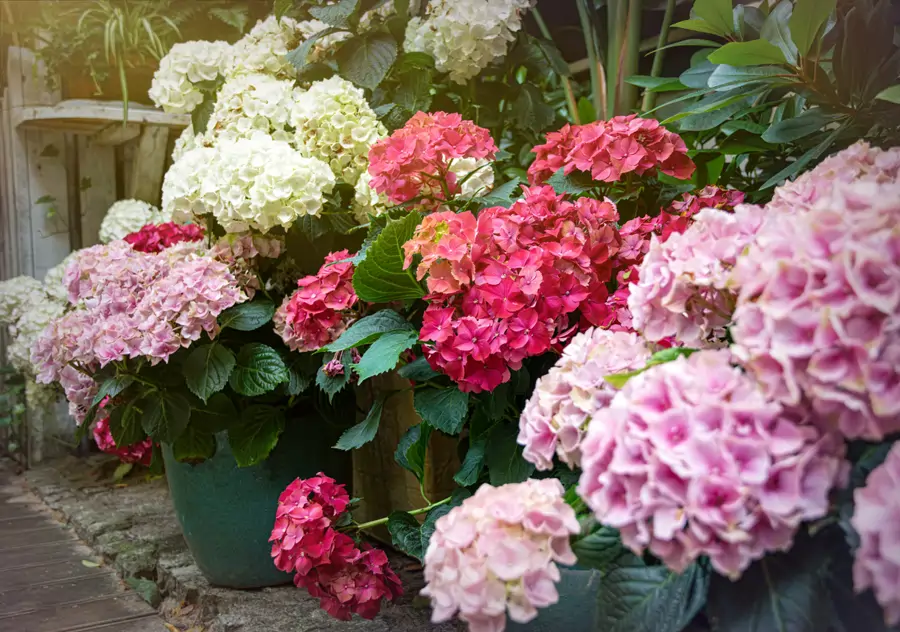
{"points": [[158, 237], [428, 157], [319, 312], [141, 452], [876, 518], [503, 286], [690, 459]]}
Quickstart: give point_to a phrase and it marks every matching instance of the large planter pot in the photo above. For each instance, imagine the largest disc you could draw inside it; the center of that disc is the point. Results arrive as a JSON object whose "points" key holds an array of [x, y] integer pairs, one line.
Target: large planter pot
{"points": [[77, 83], [227, 512], [576, 610]]}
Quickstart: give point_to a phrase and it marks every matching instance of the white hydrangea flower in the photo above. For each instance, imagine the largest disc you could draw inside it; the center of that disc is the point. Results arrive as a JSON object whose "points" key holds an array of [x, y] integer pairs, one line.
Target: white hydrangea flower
{"points": [[264, 47], [335, 124], [128, 216], [53, 280], [25, 332], [251, 183], [15, 295], [250, 103], [380, 13], [174, 86], [40, 396], [367, 200], [465, 36], [475, 174], [323, 45], [185, 142]]}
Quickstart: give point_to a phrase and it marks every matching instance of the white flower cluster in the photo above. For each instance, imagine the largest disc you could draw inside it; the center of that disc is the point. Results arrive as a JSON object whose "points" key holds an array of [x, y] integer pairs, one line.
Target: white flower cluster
{"points": [[367, 200], [251, 103], [335, 124], [476, 176], [251, 183], [127, 216], [185, 142], [25, 309], [465, 36], [263, 49], [54, 285], [323, 45], [187, 64]]}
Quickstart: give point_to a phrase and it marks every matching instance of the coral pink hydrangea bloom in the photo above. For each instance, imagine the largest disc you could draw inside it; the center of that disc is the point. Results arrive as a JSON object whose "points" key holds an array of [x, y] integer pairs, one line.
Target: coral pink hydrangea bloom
{"points": [[608, 150], [876, 518], [319, 312], [416, 160], [818, 314], [503, 286], [692, 459], [565, 399], [141, 452], [158, 237], [497, 552]]}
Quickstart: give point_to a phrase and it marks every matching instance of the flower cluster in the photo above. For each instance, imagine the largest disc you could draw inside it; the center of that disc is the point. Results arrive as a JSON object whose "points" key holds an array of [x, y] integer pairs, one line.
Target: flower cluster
{"points": [[497, 553], [610, 149], [141, 452], [466, 36], [128, 216], [345, 578], [54, 284], [564, 400], [251, 183], [433, 157], [319, 311], [25, 309], [187, 64], [334, 123], [502, 286], [263, 49], [367, 201], [243, 253], [250, 103], [875, 518], [682, 289], [817, 317], [158, 237], [692, 459]]}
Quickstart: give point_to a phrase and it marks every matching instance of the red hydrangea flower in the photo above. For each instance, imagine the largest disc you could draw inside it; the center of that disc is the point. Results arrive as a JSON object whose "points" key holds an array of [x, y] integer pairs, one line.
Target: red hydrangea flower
{"points": [[141, 452], [318, 312], [158, 237]]}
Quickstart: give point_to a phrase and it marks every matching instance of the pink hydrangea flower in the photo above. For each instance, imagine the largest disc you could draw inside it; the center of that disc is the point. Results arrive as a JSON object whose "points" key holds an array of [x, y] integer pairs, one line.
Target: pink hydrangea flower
{"points": [[564, 400], [553, 155], [497, 553], [141, 452], [692, 459], [244, 252], [876, 518], [158, 237], [818, 314], [319, 312]]}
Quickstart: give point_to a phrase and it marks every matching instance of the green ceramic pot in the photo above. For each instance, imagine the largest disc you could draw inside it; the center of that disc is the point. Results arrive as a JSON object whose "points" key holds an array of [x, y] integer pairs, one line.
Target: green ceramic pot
{"points": [[226, 512], [576, 610]]}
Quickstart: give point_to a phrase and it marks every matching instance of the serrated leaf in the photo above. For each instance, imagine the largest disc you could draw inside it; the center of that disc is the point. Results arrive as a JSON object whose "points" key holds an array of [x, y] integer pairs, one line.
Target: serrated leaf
{"points": [[415, 60], [472, 464], [218, 415], [808, 18], [530, 110], [753, 53], [194, 445], [414, 91], [200, 114], [791, 129], [166, 415], [413, 448], [281, 7], [504, 457], [601, 549], [374, 230], [297, 381], [381, 277], [700, 26], [366, 60], [443, 408], [125, 425], [891, 95], [337, 14], [253, 439], [553, 56], [618, 380], [363, 432], [112, 387], [406, 534], [207, 369], [298, 57], [717, 13], [575, 183], [384, 353], [418, 371], [502, 195], [776, 29], [258, 370], [311, 226], [247, 316], [235, 17], [368, 329], [331, 385]]}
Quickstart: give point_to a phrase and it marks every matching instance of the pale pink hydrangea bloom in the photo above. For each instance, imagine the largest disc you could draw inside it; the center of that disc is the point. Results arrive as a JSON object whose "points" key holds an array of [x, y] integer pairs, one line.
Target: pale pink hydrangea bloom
{"points": [[497, 552], [556, 416], [692, 459], [682, 289], [876, 518]]}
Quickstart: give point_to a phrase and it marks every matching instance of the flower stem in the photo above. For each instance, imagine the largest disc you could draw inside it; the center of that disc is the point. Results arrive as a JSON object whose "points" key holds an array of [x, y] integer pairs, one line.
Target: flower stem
{"points": [[590, 42], [656, 70], [414, 512], [566, 82]]}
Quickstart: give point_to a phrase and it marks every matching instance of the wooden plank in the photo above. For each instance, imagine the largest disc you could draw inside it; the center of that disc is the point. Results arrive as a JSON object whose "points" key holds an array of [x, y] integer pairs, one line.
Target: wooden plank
{"points": [[7, 231], [50, 571], [21, 523], [55, 593], [33, 538], [80, 616], [22, 201], [92, 110], [47, 178], [56, 552], [97, 171], [147, 624], [116, 134], [149, 164]]}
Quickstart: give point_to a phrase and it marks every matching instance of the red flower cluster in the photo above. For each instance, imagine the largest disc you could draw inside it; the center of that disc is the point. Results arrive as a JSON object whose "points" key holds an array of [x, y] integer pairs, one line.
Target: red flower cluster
{"points": [[317, 313], [328, 563], [141, 452], [158, 237], [609, 149], [415, 161], [502, 286]]}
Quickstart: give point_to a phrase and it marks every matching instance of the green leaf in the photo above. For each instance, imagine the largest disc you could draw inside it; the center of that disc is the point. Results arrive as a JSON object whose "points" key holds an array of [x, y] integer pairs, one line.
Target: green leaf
{"points": [[418, 371], [753, 53], [146, 588], [166, 415], [200, 115], [798, 165], [706, 43], [415, 61], [443, 408], [553, 56], [698, 76], [368, 329], [791, 129], [247, 316], [601, 549], [502, 195], [255, 437], [575, 183], [726, 77], [218, 415], [504, 457], [363, 432], [365, 60], [125, 425], [412, 449], [207, 368], [45, 199], [530, 111], [635, 596], [297, 381], [718, 13], [329, 385], [194, 445], [112, 387], [701, 26], [384, 353], [121, 472], [406, 534], [808, 18], [656, 84], [259, 369], [381, 277], [618, 380], [472, 464], [414, 92], [891, 95], [776, 29], [709, 120], [337, 14], [281, 7], [298, 57]]}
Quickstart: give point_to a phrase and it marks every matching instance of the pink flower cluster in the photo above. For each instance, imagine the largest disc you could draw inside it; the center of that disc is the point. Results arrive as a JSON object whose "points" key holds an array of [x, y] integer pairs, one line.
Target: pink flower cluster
{"points": [[876, 518], [692, 459], [610, 149], [415, 161], [319, 312], [682, 290], [141, 453], [243, 253], [503, 286], [325, 561], [818, 314], [158, 237], [564, 400], [497, 553]]}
